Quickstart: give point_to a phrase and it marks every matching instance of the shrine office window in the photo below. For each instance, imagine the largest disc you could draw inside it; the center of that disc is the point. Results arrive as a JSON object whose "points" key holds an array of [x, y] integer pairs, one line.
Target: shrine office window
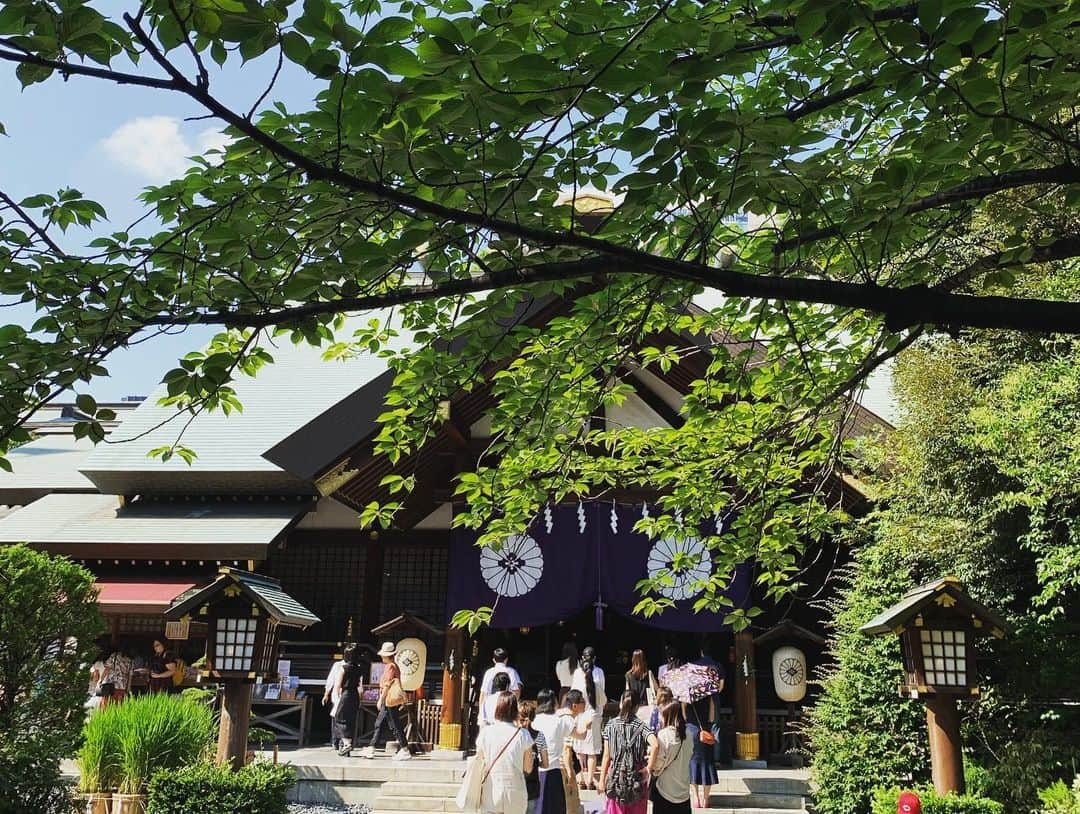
{"points": [[414, 579]]}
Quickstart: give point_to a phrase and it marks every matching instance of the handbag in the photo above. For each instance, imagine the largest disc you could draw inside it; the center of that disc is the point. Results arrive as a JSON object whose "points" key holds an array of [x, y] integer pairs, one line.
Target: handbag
{"points": [[472, 785], [106, 689], [395, 695], [706, 737]]}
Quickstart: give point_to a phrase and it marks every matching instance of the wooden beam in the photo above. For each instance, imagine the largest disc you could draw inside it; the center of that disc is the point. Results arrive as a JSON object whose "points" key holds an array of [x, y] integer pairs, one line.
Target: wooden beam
{"points": [[653, 400]]}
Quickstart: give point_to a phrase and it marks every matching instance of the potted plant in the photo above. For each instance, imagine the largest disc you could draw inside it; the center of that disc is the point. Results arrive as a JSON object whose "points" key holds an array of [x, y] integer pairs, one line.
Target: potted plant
{"points": [[157, 732], [98, 761]]}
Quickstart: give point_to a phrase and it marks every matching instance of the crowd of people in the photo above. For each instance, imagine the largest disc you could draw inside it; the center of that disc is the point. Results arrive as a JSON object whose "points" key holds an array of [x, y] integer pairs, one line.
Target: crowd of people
{"points": [[536, 757], [117, 671]]}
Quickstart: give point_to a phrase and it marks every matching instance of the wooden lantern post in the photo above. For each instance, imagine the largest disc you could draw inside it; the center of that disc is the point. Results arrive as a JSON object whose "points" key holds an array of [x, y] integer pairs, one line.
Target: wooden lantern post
{"points": [[243, 612], [937, 624]]}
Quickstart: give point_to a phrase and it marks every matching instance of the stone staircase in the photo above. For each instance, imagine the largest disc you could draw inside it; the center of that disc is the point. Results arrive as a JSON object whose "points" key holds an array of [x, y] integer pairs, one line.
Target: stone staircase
{"points": [[430, 783], [737, 792]]}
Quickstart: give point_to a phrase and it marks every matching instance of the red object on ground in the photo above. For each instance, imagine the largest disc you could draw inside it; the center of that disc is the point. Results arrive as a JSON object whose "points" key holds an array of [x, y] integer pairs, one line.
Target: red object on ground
{"points": [[908, 803], [149, 596]]}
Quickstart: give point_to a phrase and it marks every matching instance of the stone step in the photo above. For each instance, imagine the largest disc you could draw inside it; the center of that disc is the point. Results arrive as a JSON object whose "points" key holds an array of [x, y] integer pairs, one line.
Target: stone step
{"points": [[379, 809], [447, 791], [393, 800], [359, 770], [418, 788]]}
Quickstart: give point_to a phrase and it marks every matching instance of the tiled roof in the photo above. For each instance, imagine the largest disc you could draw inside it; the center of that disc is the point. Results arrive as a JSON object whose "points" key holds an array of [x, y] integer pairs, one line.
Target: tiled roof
{"points": [[285, 395], [97, 526], [47, 464], [264, 591]]}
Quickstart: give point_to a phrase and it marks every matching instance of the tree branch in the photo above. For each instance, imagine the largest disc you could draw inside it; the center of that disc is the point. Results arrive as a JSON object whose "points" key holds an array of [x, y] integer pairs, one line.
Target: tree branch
{"points": [[973, 189], [901, 307], [19, 56], [34, 226]]}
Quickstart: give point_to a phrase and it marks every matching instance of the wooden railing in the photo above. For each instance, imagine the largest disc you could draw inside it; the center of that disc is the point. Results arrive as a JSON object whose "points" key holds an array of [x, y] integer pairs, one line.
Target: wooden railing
{"points": [[771, 724], [428, 715]]}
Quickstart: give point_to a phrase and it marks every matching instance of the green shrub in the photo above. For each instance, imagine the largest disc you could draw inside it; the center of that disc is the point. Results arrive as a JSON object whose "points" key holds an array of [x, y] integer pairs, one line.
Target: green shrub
{"points": [[861, 732], [258, 788], [159, 732], [1029, 764], [1060, 799], [48, 622], [885, 802]]}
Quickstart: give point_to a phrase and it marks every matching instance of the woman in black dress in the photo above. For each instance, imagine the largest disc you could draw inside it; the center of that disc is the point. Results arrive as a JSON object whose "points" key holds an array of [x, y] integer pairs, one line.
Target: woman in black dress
{"points": [[348, 685]]}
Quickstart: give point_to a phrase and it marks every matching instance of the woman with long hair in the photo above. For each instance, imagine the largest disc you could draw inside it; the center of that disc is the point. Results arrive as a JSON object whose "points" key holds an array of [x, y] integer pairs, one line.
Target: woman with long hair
{"points": [[347, 691], [589, 681], [669, 763], [565, 667], [639, 678], [624, 775]]}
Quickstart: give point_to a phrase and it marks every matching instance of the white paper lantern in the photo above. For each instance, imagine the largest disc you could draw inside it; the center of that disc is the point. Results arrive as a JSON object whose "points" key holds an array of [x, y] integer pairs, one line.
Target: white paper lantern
{"points": [[789, 674]]}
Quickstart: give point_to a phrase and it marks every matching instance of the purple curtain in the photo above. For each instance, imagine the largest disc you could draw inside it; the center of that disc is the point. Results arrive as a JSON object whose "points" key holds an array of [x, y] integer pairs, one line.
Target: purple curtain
{"points": [[540, 578]]}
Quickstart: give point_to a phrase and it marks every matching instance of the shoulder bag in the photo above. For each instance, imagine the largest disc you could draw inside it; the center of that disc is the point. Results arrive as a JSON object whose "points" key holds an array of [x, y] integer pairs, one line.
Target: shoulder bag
{"points": [[472, 785], [395, 695]]}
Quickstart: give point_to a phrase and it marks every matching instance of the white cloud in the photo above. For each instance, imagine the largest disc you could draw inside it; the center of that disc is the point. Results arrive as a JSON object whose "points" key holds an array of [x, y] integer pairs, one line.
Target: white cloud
{"points": [[213, 140], [155, 147]]}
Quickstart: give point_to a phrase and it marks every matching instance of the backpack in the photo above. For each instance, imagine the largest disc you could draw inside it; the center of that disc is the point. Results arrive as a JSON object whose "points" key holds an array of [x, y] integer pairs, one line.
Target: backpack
{"points": [[180, 674], [624, 782]]}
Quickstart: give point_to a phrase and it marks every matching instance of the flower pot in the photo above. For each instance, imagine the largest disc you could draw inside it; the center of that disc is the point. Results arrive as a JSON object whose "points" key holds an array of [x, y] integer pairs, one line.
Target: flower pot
{"points": [[94, 802], [128, 803]]}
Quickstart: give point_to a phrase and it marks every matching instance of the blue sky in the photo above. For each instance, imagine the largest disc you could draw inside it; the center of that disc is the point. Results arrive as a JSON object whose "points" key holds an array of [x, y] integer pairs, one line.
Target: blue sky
{"points": [[111, 141]]}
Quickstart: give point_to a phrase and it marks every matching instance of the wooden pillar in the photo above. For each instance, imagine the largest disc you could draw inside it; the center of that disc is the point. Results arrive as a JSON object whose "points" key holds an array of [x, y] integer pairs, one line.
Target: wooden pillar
{"points": [[946, 757], [453, 663], [745, 690], [235, 718]]}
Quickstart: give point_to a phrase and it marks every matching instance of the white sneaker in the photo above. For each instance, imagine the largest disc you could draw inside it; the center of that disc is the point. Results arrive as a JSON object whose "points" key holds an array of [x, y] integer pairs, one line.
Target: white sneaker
{"points": [[402, 754], [368, 752]]}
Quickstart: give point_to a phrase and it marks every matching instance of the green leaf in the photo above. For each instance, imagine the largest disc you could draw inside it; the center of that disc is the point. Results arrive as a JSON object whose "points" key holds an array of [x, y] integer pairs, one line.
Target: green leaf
{"points": [[398, 60], [86, 404], [390, 30], [323, 63], [296, 48]]}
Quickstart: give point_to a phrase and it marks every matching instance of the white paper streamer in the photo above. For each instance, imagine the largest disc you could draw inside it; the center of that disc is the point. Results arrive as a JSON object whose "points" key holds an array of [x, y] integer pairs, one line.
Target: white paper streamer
{"points": [[549, 524], [614, 520], [581, 517]]}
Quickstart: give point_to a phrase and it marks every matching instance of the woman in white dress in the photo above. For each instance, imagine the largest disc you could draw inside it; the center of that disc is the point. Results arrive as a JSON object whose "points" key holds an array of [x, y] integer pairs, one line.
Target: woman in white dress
{"points": [[507, 755], [589, 681]]}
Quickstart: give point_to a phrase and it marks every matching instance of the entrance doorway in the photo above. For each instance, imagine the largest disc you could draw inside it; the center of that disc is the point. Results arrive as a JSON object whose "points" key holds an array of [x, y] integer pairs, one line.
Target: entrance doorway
{"points": [[534, 651]]}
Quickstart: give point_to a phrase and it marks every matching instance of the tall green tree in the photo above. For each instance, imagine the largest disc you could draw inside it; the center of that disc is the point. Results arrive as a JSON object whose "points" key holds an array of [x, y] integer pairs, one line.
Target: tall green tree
{"points": [[48, 622], [981, 484], [863, 138]]}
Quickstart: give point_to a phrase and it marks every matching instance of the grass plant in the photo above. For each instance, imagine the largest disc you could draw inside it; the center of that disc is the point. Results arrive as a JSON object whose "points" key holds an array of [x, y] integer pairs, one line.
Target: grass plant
{"points": [[99, 756], [160, 732]]}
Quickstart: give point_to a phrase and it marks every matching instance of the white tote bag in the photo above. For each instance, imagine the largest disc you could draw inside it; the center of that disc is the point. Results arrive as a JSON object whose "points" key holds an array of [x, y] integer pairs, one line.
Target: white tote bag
{"points": [[472, 786]]}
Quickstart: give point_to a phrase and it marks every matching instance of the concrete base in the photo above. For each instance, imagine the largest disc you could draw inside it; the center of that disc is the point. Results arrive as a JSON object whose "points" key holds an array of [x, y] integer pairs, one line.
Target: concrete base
{"points": [[749, 764], [446, 754]]}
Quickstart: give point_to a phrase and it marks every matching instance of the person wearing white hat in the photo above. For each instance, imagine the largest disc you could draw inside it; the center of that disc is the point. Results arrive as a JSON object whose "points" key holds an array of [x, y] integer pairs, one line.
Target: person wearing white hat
{"points": [[391, 697]]}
